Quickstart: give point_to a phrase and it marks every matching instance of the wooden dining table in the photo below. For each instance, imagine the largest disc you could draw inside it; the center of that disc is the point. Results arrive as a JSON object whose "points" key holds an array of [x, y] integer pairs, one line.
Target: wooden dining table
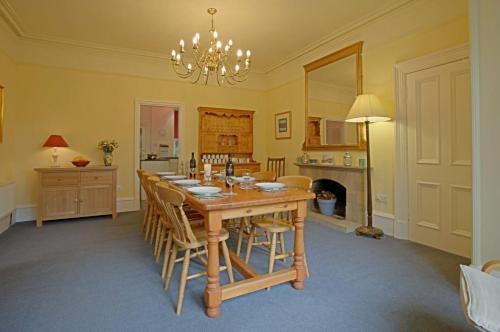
{"points": [[247, 203]]}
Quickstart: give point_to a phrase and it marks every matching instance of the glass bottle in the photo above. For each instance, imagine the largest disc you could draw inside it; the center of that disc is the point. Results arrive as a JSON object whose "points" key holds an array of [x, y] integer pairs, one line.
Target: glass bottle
{"points": [[229, 168], [192, 166]]}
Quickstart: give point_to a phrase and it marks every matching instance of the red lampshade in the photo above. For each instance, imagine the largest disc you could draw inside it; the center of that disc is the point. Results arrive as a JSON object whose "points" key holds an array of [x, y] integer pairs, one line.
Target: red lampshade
{"points": [[55, 141]]}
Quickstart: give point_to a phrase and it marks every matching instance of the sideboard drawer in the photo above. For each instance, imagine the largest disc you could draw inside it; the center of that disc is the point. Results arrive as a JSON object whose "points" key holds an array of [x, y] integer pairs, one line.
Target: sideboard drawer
{"points": [[97, 177], [60, 179]]}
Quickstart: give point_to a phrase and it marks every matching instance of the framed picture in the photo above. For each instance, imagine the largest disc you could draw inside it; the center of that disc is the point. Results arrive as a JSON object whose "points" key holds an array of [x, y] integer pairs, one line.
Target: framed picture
{"points": [[1, 113], [283, 125]]}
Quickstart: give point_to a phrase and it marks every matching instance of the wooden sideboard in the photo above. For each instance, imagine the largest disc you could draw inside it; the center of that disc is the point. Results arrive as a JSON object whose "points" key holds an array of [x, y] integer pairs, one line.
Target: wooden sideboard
{"points": [[74, 192], [226, 131]]}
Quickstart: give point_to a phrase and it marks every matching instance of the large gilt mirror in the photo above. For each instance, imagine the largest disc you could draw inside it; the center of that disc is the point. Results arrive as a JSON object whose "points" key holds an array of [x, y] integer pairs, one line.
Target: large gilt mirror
{"points": [[332, 84]]}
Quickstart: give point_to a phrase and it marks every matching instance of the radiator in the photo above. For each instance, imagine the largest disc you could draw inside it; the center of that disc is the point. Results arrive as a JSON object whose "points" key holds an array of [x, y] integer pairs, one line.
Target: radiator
{"points": [[7, 204]]}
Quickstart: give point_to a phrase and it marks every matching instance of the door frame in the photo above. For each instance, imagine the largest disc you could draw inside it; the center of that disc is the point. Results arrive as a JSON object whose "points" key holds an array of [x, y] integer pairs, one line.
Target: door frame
{"points": [[137, 137], [401, 181]]}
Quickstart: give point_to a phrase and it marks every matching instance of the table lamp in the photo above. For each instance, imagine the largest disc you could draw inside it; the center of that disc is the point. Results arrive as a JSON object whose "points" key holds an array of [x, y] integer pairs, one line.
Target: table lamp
{"points": [[55, 141], [367, 109]]}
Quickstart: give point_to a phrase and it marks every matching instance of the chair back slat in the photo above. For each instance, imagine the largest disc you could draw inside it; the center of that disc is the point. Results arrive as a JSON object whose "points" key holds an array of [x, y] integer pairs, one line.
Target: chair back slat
{"points": [[276, 165], [171, 202]]}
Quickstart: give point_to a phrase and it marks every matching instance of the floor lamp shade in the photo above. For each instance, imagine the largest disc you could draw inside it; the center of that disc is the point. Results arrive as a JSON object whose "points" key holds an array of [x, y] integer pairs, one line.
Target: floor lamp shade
{"points": [[367, 108]]}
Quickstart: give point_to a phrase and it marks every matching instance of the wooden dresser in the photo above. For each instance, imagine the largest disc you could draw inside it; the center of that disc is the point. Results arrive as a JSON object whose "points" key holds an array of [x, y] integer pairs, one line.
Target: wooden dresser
{"points": [[73, 192], [226, 131]]}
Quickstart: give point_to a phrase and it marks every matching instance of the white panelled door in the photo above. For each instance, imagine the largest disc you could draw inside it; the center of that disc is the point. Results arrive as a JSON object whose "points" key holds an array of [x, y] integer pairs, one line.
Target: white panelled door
{"points": [[439, 157]]}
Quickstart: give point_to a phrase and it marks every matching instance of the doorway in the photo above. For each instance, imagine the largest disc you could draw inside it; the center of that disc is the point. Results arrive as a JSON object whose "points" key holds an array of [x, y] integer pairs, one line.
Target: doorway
{"points": [[157, 139]]}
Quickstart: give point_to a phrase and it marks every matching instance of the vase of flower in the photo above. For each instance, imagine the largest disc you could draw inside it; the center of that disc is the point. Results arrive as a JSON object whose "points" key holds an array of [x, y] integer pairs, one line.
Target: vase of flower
{"points": [[107, 147]]}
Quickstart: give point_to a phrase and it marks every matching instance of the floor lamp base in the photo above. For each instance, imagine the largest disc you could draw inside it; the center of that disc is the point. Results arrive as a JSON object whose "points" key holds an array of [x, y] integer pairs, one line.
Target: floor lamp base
{"points": [[370, 231]]}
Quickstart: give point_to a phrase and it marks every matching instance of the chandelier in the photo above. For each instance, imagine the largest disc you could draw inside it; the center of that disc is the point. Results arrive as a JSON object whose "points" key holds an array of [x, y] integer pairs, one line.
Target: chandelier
{"points": [[211, 61]]}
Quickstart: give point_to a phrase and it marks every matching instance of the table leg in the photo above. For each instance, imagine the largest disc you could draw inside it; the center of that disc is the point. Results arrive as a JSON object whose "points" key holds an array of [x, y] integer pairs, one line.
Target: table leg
{"points": [[213, 292], [298, 218]]}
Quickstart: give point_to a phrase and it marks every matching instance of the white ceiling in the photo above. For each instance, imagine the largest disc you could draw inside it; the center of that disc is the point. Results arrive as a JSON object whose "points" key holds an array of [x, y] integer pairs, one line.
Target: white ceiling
{"points": [[275, 30]]}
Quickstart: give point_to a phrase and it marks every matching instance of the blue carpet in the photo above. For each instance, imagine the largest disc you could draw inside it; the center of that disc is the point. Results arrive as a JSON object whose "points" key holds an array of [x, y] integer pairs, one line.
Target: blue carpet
{"points": [[97, 274]]}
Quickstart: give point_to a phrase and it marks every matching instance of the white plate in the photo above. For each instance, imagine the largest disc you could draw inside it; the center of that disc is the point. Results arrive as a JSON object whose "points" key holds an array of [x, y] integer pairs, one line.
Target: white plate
{"points": [[270, 185], [165, 173], [204, 190], [186, 182], [174, 177]]}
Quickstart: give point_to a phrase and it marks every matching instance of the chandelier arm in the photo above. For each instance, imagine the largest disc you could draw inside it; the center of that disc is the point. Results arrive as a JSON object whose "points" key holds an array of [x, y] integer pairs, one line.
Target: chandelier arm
{"points": [[179, 73], [198, 77]]}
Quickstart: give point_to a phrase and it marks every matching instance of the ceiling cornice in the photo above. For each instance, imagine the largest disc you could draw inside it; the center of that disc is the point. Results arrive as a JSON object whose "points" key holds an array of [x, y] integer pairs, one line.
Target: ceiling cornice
{"points": [[340, 32], [17, 27]]}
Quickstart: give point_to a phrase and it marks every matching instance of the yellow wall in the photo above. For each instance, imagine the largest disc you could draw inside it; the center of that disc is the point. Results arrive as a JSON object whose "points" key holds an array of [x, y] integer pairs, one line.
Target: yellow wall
{"points": [[8, 80], [378, 64], [85, 107]]}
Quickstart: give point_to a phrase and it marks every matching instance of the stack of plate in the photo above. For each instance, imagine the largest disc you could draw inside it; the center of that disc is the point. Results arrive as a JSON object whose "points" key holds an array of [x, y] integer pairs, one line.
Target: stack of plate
{"points": [[206, 192], [270, 186]]}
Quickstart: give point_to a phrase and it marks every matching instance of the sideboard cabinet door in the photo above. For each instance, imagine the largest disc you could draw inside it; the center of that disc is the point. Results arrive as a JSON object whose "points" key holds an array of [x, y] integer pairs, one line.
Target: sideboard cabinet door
{"points": [[60, 202]]}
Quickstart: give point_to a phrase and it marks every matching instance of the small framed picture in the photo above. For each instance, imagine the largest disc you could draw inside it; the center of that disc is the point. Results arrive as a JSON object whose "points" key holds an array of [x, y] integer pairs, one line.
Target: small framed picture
{"points": [[283, 125]]}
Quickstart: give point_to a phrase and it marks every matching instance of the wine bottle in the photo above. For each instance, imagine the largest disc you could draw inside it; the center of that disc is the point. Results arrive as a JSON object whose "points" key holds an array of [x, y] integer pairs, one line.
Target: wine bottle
{"points": [[229, 168], [192, 166]]}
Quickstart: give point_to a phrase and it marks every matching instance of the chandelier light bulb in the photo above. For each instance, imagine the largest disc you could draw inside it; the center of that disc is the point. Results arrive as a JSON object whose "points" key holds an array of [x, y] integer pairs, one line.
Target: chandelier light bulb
{"points": [[219, 44], [197, 35], [239, 53], [223, 71], [190, 67], [226, 48], [230, 42], [237, 68], [248, 53], [173, 54], [178, 58], [205, 71], [216, 34], [181, 42], [195, 41], [210, 50]]}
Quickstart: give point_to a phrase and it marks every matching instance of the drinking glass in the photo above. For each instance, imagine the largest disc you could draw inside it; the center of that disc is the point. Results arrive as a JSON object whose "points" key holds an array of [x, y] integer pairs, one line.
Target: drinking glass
{"points": [[230, 181]]}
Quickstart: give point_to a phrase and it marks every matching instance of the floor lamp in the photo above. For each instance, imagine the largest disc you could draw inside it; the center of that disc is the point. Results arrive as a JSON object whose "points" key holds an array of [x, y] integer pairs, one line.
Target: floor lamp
{"points": [[366, 109]]}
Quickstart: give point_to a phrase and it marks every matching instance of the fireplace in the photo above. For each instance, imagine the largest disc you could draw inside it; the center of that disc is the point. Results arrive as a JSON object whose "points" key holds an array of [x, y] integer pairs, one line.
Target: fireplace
{"points": [[348, 184], [334, 187]]}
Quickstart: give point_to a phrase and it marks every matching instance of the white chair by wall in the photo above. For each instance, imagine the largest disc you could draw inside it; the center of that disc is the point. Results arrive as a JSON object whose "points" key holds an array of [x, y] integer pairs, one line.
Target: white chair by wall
{"points": [[480, 296]]}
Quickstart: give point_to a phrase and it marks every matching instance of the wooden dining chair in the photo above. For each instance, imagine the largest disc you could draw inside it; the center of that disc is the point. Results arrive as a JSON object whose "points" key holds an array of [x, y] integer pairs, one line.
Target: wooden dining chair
{"points": [[264, 176], [157, 227], [188, 239], [276, 226], [146, 212], [276, 165], [241, 171], [150, 207]]}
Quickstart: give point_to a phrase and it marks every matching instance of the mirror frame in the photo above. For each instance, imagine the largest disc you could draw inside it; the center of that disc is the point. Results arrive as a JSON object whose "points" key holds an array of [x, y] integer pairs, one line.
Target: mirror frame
{"points": [[354, 49]]}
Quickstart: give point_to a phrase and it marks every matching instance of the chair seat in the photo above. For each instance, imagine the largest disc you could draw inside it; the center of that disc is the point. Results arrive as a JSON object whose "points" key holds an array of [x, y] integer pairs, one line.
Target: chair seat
{"points": [[201, 236], [480, 295], [272, 225]]}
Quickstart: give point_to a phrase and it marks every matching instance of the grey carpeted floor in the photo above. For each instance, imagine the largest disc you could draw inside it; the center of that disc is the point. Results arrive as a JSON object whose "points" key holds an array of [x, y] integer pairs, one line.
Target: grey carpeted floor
{"points": [[97, 274]]}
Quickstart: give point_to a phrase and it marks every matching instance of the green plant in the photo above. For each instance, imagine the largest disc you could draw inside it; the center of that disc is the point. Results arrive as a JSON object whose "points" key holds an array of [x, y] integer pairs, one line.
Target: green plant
{"points": [[107, 146], [326, 195]]}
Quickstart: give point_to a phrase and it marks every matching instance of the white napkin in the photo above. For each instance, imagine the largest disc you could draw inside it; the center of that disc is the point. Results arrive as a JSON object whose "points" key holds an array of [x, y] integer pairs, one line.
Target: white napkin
{"points": [[482, 297]]}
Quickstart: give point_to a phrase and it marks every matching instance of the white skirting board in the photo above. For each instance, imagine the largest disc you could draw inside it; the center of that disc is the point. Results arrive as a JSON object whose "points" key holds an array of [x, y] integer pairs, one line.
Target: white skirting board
{"points": [[384, 221], [7, 205], [28, 212]]}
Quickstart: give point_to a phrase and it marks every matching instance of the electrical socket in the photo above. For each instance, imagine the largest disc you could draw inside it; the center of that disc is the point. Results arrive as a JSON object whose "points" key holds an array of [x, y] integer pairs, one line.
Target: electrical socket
{"points": [[382, 198]]}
